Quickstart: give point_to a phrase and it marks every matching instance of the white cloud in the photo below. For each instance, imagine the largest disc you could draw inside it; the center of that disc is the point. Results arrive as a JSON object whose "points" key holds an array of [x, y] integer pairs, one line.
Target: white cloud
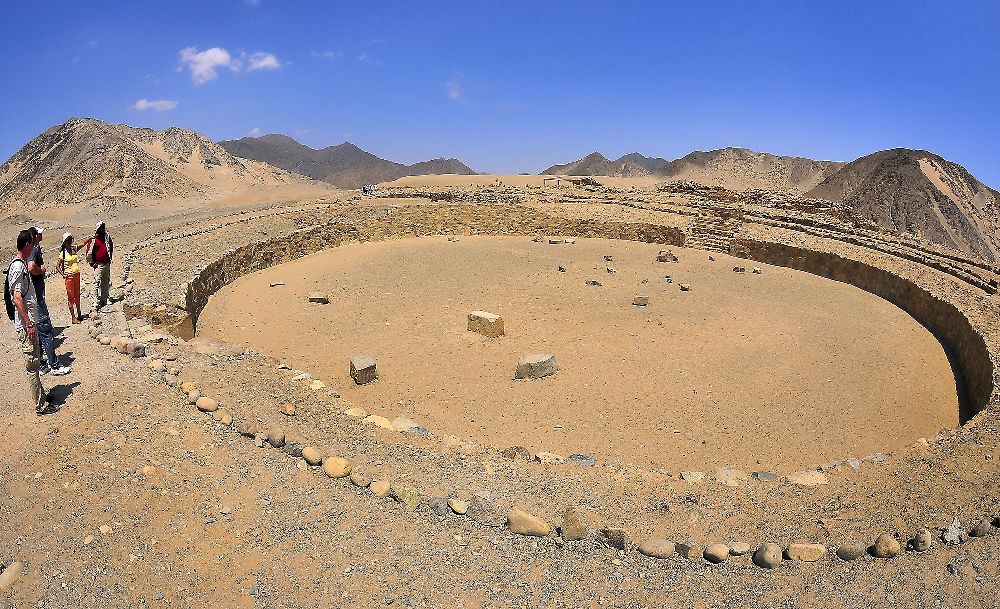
{"points": [[263, 61], [158, 105], [203, 65], [255, 132], [455, 90], [365, 58]]}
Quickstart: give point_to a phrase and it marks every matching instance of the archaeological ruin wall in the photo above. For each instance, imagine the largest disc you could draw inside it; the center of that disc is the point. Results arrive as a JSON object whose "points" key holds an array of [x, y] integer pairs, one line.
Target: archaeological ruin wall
{"points": [[971, 357], [972, 361]]}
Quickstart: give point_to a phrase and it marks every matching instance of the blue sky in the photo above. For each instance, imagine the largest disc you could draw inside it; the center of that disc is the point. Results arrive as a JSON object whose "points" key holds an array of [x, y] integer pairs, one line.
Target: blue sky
{"points": [[516, 86]]}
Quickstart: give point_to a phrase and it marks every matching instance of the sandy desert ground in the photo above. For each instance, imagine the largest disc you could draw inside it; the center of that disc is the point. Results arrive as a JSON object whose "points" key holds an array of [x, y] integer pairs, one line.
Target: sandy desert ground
{"points": [[686, 382], [130, 497]]}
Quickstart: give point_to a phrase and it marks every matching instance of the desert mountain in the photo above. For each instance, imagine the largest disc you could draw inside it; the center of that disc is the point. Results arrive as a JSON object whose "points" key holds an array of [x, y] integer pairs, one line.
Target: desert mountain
{"points": [[344, 165], [92, 163], [732, 168], [740, 169], [919, 193], [595, 164]]}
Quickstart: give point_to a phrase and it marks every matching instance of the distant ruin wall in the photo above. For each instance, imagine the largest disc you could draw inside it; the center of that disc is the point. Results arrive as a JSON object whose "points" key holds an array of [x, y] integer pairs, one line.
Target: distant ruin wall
{"points": [[402, 222], [970, 355]]}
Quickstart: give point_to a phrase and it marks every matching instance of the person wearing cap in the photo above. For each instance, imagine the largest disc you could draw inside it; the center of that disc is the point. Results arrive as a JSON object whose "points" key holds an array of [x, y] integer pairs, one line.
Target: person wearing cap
{"points": [[69, 267], [25, 301], [99, 255], [36, 267]]}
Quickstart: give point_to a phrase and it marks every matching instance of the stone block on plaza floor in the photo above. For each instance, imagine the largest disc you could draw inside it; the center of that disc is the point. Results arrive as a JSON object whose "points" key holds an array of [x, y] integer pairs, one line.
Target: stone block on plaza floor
{"points": [[536, 366], [363, 369], [487, 324]]}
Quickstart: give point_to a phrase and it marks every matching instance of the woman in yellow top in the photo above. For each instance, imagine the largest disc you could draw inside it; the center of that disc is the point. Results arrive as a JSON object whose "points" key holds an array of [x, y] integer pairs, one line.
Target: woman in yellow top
{"points": [[69, 267]]}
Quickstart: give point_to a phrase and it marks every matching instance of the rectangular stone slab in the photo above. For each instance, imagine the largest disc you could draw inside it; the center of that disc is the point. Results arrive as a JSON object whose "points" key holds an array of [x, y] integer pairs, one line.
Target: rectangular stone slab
{"points": [[487, 324], [363, 369], [536, 366]]}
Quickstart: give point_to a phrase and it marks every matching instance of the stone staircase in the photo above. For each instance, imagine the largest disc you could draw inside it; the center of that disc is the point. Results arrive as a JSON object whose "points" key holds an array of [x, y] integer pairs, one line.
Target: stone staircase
{"points": [[713, 232]]}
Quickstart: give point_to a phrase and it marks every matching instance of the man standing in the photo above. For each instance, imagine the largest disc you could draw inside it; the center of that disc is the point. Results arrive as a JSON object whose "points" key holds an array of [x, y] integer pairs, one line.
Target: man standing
{"points": [[99, 255], [43, 323], [22, 295]]}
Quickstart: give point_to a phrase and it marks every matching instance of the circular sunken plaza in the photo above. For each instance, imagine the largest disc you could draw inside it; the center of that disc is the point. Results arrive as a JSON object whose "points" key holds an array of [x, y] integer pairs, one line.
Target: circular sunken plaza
{"points": [[738, 375], [692, 380]]}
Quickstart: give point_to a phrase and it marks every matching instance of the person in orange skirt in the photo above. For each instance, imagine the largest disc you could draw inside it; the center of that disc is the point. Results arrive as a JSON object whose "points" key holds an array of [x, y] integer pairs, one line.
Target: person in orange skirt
{"points": [[69, 267]]}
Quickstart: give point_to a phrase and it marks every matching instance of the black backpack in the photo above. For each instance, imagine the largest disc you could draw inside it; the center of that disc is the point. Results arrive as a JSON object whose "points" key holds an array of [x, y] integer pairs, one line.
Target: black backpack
{"points": [[7, 301]]}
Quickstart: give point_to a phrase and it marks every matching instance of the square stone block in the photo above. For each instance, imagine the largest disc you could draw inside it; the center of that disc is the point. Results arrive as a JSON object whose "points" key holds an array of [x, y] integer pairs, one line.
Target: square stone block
{"points": [[487, 324], [363, 369]]}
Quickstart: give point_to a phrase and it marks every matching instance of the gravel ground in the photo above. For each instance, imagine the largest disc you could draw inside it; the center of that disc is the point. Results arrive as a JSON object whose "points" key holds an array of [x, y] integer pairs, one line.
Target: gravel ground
{"points": [[183, 511]]}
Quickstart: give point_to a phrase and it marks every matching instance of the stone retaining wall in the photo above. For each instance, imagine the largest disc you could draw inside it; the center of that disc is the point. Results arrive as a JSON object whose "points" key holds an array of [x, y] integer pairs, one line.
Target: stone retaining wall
{"points": [[401, 222], [971, 359]]}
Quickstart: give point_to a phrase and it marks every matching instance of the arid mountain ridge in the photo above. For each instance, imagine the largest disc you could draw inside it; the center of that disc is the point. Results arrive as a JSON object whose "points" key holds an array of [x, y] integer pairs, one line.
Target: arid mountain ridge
{"points": [[732, 168], [344, 165], [87, 162], [911, 192]]}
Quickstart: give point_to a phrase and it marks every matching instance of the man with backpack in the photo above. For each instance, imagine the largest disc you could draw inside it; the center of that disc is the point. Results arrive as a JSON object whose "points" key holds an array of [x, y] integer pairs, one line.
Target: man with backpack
{"points": [[43, 323], [99, 254], [22, 308]]}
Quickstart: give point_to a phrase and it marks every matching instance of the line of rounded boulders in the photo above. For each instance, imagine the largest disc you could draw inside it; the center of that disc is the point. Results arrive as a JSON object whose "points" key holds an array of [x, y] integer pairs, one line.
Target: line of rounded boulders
{"points": [[575, 526], [482, 510]]}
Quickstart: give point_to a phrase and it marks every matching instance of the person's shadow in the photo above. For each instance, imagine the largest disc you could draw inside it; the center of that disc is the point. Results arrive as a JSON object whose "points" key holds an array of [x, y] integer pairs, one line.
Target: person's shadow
{"points": [[60, 394]]}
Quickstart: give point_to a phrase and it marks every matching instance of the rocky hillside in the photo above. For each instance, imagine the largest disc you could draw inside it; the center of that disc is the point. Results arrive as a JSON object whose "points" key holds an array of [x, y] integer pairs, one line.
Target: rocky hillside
{"points": [[741, 169], [732, 168], [918, 193], [596, 164], [344, 165], [89, 162]]}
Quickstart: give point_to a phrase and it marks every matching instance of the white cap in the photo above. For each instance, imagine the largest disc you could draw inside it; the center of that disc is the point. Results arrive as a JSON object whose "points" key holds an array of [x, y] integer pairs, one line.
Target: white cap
{"points": [[99, 225], [66, 236], [39, 229]]}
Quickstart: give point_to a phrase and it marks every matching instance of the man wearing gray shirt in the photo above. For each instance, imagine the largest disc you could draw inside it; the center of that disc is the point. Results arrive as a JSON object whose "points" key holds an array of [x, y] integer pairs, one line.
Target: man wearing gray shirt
{"points": [[22, 294]]}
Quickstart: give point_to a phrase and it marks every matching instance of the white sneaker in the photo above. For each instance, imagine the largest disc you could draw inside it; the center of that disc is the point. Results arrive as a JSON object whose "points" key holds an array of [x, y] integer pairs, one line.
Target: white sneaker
{"points": [[61, 370]]}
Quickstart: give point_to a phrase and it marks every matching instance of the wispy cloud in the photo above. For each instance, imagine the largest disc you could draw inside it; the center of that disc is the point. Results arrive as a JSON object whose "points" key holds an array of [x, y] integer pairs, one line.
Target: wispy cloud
{"points": [[327, 55], [462, 89], [301, 132], [262, 61], [367, 59], [157, 105], [204, 66], [255, 132]]}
